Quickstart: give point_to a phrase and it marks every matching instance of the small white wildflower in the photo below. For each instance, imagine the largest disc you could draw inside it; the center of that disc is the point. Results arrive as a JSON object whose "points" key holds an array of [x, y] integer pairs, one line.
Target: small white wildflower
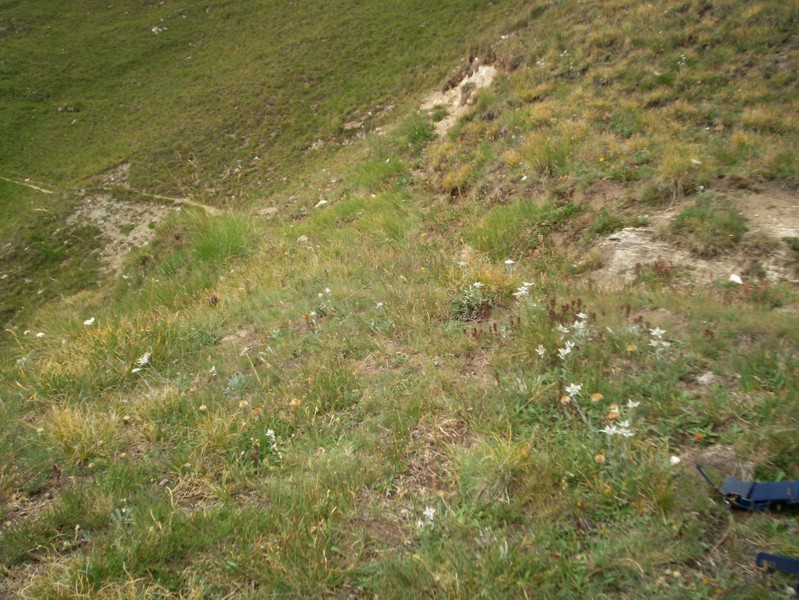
{"points": [[540, 351], [736, 279], [462, 264], [212, 371], [566, 350], [509, 262], [563, 329], [674, 460], [40, 335], [582, 316], [320, 203], [477, 285], [328, 291], [21, 361], [89, 322], [272, 438], [302, 239], [657, 332], [379, 305], [136, 370], [610, 430], [421, 524], [144, 359], [631, 404], [429, 513], [573, 389]]}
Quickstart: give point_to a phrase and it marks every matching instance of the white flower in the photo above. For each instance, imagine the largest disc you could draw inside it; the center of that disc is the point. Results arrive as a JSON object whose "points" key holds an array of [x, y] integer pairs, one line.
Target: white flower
{"points": [[328, 291], [610, 430], [421, 524], [136, 370], [320, 203], [573, 389], [462, 263], [563, 329], [379, 305], [565, 351], [523, 291], [631, 404], [429, 513], [509, 262], [674, 460], [143, 359], [540, 351], [582, 316], [212, 371], [88, 322], [272, 438], [21, 361], [477, 285], [302, 239], [40, 335], [736, 279], [657, 332]]}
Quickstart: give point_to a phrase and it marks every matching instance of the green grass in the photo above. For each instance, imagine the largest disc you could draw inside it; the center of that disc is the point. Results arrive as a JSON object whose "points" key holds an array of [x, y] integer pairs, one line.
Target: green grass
{"points": [[321, 402], [709, 227]]}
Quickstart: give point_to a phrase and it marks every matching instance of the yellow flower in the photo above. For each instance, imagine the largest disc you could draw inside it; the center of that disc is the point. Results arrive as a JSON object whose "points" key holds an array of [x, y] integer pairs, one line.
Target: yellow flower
{"points": [[632, 348], [596, 397], [599, 459], [243, 404], [565, 400]]}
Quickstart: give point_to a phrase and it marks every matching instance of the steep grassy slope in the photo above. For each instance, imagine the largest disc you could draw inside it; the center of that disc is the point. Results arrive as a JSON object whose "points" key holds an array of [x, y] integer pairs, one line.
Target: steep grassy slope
{"points": [[206, 98], [424, 385]]}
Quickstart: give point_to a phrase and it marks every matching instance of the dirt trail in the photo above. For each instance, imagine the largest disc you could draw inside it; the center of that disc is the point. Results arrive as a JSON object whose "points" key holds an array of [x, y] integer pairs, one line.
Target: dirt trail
{"points": [[28, 185]]}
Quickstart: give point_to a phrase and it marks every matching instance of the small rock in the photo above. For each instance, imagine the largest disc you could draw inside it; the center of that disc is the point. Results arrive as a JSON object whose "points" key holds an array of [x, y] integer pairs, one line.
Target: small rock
{"points": [[707, 378]]}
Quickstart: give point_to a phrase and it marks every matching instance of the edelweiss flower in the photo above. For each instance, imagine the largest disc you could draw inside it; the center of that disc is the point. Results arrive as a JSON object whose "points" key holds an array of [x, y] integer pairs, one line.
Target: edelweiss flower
{"points": [[573, 389], [429, 513], [477, 285], [88, 322], [563, 329], [631, 404], [657, 332], [566, 350], [540, 351], [582, 316], [510, 262], [674, 460], [143, 359]]}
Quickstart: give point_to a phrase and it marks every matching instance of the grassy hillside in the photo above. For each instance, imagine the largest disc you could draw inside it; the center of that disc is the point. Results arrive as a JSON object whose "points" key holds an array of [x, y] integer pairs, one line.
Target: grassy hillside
{"points": [[211, 98], [407, 371]]}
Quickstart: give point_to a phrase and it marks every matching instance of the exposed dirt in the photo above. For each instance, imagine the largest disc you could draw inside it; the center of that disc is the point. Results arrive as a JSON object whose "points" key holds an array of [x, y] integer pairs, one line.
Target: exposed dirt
{"points": [[126, 225], [771, 215], [458, 96]]}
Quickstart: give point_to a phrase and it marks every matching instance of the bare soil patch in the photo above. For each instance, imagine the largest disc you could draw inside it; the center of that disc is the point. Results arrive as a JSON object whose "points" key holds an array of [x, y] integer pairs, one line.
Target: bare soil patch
{"points": [[126, 225], [457, 97], [771, 216]]}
